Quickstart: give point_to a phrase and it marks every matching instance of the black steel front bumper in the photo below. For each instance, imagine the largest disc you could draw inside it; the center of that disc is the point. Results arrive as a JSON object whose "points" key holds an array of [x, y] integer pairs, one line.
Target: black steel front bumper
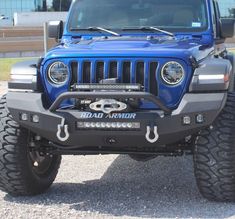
{"points": [[170, 127]]}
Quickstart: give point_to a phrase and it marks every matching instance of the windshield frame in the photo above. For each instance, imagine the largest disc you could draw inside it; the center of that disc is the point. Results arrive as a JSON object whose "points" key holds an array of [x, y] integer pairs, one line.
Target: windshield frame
{"points": [[137, 31]]}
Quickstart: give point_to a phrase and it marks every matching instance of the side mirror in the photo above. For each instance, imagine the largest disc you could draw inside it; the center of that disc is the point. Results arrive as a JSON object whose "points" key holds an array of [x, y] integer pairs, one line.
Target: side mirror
{"points": [[227, 27], [55, 29]]}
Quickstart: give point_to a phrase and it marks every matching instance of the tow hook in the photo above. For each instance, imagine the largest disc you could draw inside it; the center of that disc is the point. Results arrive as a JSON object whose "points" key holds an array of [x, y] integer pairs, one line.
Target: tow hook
{"points": [[62, 128], [155, 133]]}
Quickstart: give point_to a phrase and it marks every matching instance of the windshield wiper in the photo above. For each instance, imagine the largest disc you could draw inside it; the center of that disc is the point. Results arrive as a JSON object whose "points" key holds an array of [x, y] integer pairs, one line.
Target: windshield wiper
{"points": [[96, 29], [150, 28]]}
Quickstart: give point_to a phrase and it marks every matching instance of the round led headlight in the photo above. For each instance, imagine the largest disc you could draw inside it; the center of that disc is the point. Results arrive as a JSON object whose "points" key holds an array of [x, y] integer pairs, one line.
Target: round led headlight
{"points": [[172, 73], [58, 73]]}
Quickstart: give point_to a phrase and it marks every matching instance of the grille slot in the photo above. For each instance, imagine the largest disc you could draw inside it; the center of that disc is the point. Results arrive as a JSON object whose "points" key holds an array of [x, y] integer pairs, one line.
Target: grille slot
{"points": [[86, 72], [152, 78], [127, 71], [99, 71], [140, 73], [113, 69], [126, 74], [74, 70]]}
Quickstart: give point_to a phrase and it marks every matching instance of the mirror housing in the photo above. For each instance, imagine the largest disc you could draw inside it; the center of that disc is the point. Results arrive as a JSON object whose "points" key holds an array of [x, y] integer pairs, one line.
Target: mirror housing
{"points": [[227, 27], [55, 29]]}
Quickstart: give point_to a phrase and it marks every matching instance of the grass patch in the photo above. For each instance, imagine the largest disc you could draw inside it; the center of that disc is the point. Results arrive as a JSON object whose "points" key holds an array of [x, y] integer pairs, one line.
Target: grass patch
{"points": [[5, 67]]}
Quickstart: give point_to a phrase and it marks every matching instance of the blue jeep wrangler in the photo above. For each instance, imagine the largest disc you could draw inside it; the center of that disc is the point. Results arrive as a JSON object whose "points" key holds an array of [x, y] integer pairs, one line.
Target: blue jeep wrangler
{"points": [[138, 77]]}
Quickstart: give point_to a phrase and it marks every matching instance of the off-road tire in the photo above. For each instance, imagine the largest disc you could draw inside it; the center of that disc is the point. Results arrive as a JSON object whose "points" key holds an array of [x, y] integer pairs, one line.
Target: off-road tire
{"points": [[17, 172], [214, 156]]}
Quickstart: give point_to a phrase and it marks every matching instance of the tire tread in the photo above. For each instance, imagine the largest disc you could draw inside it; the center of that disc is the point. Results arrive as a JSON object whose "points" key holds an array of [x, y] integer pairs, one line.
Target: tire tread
{"points": [[15, 177], [214, 156]]}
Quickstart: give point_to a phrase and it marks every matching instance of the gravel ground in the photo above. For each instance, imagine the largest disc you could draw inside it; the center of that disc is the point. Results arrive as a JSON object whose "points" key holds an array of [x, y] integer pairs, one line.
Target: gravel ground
{"points": [[118, 187], [114, 186]]}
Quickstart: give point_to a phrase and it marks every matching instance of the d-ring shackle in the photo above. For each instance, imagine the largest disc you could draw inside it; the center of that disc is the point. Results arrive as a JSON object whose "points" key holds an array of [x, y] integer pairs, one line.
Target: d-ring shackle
{"points": [[155, 132], [62, 127]]}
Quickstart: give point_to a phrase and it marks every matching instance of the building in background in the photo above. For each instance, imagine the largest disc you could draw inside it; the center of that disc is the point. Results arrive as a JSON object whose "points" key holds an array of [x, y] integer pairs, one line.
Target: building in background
{"points": [[227, 8], [9, 7]]}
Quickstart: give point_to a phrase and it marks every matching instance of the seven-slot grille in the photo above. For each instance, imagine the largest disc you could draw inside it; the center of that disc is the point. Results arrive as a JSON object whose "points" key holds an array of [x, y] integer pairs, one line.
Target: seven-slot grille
{"points": [[139, 71]]}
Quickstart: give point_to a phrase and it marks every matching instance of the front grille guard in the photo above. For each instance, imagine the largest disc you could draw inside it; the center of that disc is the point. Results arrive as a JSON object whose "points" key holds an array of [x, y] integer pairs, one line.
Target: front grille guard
{"points": [[109, 95]]}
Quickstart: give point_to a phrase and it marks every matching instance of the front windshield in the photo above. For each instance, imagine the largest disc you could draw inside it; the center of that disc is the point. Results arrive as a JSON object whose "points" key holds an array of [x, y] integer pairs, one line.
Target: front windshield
{"points": [[180, 15]]}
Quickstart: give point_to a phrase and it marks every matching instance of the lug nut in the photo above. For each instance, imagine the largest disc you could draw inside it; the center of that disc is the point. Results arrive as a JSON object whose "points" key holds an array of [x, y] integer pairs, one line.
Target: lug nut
{"points": [[35, 164]]}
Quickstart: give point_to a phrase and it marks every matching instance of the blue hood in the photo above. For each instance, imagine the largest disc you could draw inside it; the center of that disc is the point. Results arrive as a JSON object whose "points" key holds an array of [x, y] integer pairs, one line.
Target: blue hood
{"points": [[164, 47]]}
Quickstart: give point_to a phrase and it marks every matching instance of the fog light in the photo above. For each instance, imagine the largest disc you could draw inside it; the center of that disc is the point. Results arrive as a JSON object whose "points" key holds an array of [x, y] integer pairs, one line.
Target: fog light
{"points": [[35, 118], [24, 116], [186, 120], [199, 118]]}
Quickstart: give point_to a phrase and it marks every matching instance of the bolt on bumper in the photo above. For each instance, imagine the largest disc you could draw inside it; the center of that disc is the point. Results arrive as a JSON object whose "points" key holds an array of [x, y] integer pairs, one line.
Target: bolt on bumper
{"points": [[156, 127]]}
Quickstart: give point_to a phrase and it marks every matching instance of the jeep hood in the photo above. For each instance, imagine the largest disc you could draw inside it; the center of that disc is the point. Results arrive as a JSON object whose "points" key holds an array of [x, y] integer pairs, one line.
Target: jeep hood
{"points": [[132, 47]]}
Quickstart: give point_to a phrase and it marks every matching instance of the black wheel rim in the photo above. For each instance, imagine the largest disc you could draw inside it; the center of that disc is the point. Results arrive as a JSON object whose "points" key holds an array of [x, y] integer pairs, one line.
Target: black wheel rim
{"points": [[40, 163]]}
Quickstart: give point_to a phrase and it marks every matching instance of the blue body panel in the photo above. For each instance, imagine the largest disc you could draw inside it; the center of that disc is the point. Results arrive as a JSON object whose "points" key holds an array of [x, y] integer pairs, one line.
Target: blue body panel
{"points": [[134, 47]]}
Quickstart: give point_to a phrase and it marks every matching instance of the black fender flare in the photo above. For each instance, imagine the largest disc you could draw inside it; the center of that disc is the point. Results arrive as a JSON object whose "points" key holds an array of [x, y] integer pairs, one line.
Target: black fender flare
{"points": [[208, 68], [24, 75]]}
